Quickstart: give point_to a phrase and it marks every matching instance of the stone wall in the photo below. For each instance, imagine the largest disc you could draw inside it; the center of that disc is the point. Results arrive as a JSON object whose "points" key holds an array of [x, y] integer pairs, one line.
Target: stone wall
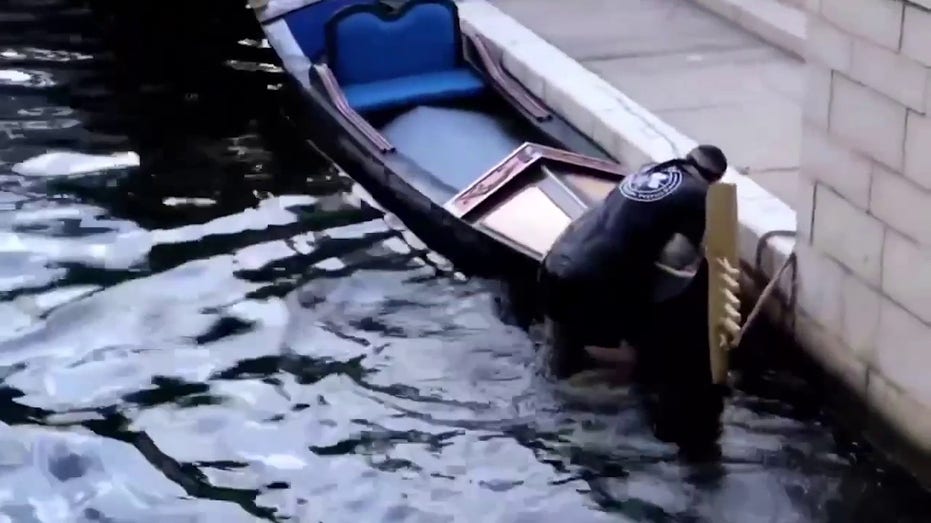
{"points": [[864, 214]]}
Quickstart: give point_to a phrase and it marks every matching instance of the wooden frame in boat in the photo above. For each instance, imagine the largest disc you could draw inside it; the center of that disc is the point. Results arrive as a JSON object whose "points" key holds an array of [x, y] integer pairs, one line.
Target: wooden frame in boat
{"points": [[522, 203], [499, 78], [335, 93], [519, 161]]}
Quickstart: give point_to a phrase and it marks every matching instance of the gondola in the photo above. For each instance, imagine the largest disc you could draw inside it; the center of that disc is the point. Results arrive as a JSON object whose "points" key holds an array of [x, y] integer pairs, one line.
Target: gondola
{"points": [[423, 115]]}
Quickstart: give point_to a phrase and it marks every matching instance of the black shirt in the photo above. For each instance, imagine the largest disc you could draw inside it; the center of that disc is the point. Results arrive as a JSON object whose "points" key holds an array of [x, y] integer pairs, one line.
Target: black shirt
{"points": [[616, 243]]}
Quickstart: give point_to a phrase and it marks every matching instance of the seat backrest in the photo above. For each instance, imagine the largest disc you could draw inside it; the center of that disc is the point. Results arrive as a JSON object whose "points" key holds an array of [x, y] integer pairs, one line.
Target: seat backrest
{"points": [[307, 24], [367, 43]]}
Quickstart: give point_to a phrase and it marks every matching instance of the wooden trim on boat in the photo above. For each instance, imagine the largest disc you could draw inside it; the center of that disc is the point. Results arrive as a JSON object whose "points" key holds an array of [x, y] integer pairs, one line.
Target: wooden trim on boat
{"points": [[507, 169], [515, 163], [562, 155], [335, 92], [508, 84]]}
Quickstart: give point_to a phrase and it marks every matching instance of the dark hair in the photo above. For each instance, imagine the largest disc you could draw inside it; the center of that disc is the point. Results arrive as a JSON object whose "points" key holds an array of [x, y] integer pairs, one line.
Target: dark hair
{"points": [[709, 161]]}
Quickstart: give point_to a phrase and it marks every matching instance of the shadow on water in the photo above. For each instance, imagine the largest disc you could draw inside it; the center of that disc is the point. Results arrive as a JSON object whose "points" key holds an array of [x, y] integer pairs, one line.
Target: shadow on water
{"points": [[204, 322]]}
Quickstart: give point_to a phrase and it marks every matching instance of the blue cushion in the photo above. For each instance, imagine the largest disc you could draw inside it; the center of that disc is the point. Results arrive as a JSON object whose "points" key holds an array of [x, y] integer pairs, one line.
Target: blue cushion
{"points": [[370, 45], [307, 24], [413, 90]]}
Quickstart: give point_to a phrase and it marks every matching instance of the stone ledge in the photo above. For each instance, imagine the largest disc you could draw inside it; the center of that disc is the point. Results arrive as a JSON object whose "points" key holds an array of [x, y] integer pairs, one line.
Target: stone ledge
{"points": [[624, 128], [775, 22]]}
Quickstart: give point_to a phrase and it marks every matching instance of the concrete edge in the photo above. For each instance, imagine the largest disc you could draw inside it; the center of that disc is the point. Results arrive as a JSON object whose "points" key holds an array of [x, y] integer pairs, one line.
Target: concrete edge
{"points": [[624, 128], [774, 22]]}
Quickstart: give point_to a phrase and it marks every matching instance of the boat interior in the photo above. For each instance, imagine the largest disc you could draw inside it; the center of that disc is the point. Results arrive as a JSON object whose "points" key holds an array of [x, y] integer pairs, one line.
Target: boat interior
{"points": [[407, 78]]}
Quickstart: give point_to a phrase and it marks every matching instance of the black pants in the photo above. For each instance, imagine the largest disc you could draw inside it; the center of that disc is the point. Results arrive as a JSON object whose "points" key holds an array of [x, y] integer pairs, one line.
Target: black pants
{"points": [[674, 337], [671, 337], [583, 313]]}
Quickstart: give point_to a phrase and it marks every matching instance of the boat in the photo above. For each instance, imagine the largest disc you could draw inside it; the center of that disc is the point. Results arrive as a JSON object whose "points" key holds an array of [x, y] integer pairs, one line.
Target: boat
{"points": [[422, 114]]}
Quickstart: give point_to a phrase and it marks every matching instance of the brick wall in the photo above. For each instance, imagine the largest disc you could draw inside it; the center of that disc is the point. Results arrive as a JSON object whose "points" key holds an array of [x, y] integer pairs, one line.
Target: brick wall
{"points": [[865, 199]]}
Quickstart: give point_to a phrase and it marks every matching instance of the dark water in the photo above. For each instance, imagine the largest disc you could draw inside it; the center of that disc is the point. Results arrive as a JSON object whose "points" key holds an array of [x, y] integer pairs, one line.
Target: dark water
{"points": [[224, 331]]}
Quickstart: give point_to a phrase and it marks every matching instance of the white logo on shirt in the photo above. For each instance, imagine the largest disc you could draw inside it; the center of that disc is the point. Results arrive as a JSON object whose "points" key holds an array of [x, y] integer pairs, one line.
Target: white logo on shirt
{"points": [[650, 186]]}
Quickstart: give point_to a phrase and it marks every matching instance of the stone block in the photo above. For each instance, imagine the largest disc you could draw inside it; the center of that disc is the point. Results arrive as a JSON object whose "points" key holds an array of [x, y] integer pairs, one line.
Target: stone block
{"points": [[909, 415], [817, 100], [806, 193], [918, 149], [892, 74], [826, 160], [830, 352], [907, 275], [858, 111], [903, 205], [828, 45], [849, 235], [820, 288], [902, 353], [861, 304], [879, 21], [916, 35]]}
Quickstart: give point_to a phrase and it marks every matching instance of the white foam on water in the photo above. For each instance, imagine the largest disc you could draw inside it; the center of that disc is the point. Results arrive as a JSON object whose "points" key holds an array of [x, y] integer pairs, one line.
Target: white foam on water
{"points": [[267, 213], [330, 264], [13, 76], [121, 250], [197, 202], [67, 163]]}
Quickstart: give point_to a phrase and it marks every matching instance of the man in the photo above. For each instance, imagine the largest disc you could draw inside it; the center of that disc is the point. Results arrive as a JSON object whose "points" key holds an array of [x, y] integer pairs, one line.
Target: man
{"points": [[601, 281]]}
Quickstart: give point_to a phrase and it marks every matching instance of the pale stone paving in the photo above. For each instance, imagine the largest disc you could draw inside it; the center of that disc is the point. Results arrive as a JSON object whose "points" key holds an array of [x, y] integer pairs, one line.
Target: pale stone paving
{"points": [[704, 76]]}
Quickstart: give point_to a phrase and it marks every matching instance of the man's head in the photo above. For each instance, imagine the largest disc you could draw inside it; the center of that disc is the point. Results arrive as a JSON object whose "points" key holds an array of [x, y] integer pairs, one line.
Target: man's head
{"points": [[709, 161]]}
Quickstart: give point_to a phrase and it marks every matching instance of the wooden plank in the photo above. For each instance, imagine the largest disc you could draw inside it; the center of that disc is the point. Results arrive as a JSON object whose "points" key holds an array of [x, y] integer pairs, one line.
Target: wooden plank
{"points": [[721, 245], [529, 218]]}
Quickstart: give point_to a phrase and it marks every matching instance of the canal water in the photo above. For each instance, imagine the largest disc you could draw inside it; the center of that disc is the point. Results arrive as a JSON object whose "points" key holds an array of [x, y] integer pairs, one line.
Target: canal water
{"points": [[201, 321]]}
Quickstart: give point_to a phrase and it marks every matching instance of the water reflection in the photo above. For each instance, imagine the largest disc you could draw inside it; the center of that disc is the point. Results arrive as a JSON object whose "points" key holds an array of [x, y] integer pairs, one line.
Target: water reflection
{"points": [[204, 323]]}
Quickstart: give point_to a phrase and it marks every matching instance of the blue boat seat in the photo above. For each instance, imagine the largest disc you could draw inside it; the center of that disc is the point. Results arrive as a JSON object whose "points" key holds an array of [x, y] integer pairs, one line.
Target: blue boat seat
{"points": [[413, 90], [307, 24], [388, 60]]}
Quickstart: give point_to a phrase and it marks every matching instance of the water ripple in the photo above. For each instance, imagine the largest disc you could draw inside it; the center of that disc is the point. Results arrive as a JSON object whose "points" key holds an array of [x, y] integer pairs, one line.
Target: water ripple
{"points": [[204, 322]]}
